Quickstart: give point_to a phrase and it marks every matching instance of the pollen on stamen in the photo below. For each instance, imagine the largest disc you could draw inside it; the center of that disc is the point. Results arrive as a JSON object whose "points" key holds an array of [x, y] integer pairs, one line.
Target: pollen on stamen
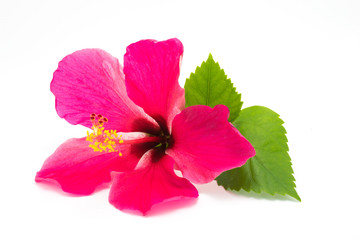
{"points": [[103, 140]]}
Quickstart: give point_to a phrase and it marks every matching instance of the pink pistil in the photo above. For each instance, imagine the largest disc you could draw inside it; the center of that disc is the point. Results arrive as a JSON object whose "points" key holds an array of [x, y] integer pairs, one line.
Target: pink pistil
{"points": [[143, 140]]}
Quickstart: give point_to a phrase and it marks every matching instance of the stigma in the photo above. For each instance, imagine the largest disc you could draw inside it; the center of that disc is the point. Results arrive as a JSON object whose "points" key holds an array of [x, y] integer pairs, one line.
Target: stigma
{"points": [[103, 140]]}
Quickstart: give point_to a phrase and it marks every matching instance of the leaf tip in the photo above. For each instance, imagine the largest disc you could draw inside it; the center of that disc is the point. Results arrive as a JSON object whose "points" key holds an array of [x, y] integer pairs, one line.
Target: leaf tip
{"points": [[296, 196]]}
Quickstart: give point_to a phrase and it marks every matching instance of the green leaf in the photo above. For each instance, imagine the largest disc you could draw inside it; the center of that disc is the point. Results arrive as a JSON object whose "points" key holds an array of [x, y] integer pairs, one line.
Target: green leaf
{"points": [[270, 169], [210, 86]]}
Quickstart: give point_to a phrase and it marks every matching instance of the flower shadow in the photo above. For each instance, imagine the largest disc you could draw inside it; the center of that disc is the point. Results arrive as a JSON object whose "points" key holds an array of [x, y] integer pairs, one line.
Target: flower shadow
{"points": [[217, 191], [56, 188], [264, 195], [171, 206], [164, 208]]}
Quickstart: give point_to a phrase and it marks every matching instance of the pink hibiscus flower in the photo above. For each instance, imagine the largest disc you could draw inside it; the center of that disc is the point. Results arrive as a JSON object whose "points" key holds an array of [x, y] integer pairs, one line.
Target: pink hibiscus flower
{"points": [[141, 130]]}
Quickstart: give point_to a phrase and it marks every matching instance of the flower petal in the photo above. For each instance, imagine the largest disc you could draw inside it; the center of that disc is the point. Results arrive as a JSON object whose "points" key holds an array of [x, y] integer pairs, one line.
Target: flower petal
{"points": [[205, 144], [153, 181], [79, 170], [91, 81], [151, 74]]}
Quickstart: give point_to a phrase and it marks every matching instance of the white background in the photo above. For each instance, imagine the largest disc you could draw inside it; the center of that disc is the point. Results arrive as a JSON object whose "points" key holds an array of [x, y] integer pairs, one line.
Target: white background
{"points": [[299, 58]]}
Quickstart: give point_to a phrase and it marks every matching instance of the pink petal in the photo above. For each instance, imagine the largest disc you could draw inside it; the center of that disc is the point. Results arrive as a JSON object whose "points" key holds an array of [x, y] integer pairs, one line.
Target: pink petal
{"points": [[79, 170], [152, 182], [206, 144], [91, 81], [151, 73]]}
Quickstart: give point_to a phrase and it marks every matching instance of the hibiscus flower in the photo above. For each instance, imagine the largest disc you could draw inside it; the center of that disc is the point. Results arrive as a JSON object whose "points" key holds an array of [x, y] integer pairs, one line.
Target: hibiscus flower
{"points": [[142, 131]]}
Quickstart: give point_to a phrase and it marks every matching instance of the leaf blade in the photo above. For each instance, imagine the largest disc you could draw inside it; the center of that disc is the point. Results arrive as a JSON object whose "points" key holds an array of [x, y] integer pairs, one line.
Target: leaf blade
{"points": [[270, 169], [210, 86]]}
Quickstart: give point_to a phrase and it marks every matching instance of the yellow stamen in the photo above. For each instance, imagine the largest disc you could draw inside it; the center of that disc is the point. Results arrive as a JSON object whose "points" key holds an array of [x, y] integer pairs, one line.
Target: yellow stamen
{"points": [[102, 140]]}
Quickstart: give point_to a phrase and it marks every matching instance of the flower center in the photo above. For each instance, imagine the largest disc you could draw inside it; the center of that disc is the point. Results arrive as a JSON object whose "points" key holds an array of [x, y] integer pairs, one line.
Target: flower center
{"points": [[164, 142], [102, 140]]}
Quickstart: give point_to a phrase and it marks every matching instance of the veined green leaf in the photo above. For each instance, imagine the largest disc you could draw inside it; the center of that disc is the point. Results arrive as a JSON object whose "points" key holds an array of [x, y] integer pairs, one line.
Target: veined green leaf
{"points": [[210, 86], [270, 169]]}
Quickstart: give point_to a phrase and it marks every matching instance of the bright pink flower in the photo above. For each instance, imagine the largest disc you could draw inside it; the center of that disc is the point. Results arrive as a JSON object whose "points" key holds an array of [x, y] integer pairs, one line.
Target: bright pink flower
{"points": [[145, 104]]}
